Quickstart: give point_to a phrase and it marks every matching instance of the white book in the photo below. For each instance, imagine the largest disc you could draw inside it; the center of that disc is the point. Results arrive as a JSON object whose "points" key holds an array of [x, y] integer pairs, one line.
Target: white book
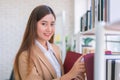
{"points": [[117, 70], [109, 69], [113, 69]]}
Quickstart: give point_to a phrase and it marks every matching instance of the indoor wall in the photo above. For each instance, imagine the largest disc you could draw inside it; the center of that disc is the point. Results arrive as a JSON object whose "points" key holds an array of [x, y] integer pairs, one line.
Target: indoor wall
{"points": [[13, 18]]}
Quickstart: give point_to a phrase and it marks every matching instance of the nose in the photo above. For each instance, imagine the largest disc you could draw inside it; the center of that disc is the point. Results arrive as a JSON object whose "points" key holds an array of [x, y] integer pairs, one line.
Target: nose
{"points": [[49, 28]]}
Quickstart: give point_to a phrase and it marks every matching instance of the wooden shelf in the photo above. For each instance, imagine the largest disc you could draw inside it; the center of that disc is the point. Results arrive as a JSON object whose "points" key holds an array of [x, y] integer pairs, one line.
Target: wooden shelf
{"points": [[110, 29], [113, 26], [89, 32], [116, 56]]}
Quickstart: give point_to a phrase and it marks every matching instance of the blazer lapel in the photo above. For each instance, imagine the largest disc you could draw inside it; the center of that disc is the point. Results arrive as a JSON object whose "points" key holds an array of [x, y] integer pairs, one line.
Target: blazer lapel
{"points": [[57, 55], [44, 60]]}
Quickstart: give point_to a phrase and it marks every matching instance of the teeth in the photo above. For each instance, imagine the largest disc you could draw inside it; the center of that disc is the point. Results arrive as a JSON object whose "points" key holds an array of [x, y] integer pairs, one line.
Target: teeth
{"points": [[47, 34]]}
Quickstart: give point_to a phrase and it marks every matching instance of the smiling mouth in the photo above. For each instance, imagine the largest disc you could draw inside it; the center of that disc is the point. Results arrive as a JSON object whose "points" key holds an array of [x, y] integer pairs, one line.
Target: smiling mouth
{"points": [[47, 35]]}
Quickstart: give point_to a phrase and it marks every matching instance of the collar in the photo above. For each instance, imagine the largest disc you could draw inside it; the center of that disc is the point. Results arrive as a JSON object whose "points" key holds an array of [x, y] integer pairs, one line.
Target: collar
{"points": [[43, 48]]}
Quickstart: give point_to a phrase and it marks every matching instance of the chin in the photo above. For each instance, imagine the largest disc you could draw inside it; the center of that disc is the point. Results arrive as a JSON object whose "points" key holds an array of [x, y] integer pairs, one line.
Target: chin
{"points": [[47, 39]]}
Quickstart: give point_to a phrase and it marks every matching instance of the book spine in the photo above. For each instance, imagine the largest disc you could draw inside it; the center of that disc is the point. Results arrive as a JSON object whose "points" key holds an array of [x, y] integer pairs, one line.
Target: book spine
{"points": [[113, 70]]}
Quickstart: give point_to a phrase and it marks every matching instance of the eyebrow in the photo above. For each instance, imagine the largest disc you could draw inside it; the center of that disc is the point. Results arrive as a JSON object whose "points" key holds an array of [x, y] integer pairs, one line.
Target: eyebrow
{"points": [[47, 21]]}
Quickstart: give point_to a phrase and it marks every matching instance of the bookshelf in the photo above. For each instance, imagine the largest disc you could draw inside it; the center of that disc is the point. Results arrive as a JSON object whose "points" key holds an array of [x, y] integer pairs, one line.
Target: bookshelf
{"points": [[100, 58], [112, 29], [100, 13]]}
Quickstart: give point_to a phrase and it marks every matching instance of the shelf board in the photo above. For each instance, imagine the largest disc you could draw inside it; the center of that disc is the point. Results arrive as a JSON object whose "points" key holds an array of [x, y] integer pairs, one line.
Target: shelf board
{"points": [[111, 32], [89, 32], [111, 29], [115, 56], [113, 26], [107, 32]]}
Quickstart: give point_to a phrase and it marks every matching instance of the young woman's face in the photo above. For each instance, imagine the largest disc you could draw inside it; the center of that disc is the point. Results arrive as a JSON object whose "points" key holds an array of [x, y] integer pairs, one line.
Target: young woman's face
{"points": [[46, 27]]}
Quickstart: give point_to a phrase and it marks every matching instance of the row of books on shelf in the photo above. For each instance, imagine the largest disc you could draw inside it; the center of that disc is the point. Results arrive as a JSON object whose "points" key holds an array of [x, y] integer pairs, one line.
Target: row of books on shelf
{"points": [[86, 21], [103, 10], [98, 12], [113, 69]]}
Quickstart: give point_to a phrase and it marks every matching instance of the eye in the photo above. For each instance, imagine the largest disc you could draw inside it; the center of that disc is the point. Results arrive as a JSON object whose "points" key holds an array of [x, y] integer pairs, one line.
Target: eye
{"points": [[44, 24], [53, 24]]}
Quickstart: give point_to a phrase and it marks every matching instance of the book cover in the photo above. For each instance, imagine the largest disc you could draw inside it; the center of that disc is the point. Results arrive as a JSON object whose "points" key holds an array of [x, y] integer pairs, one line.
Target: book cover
{"points": [[89, 65]]}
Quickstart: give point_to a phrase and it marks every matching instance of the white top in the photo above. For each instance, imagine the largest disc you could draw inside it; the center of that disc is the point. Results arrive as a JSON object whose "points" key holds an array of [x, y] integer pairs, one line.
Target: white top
{"points": [[51, 57]]}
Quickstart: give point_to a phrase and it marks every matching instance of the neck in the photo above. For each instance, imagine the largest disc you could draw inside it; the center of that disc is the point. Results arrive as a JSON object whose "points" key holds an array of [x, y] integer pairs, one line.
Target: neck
{"points": [[43, 43]]}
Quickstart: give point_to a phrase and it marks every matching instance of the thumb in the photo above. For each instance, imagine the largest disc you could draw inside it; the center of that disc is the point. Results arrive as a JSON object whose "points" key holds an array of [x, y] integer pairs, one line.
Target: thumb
{"points": [[80, 58]]}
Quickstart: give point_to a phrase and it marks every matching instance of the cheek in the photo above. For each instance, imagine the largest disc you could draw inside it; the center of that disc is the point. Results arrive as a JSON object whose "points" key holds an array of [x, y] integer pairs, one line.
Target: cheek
{"points": [[39, 30], [39, 27], [53, 30]]}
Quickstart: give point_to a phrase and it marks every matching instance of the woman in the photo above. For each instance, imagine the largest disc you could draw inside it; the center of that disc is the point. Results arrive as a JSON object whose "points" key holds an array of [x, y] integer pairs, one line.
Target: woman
{"points": [[38, 58]]}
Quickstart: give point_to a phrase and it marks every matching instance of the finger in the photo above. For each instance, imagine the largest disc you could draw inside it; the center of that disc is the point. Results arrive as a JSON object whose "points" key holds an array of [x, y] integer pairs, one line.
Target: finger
{"points": [[81, 65], [82, 70], [80, 58]]}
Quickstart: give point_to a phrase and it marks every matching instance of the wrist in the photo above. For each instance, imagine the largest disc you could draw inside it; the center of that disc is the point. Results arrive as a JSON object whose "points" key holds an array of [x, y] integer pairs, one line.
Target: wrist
{"points": [[67, 76]]}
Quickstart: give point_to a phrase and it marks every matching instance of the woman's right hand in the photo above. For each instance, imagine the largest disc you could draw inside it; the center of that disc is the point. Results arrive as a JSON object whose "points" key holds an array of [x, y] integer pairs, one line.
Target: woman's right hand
{"points": [[78, 68]]}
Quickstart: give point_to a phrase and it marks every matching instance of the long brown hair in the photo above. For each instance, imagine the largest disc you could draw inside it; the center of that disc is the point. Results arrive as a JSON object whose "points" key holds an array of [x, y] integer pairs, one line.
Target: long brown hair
{"points": [[31, 33]]}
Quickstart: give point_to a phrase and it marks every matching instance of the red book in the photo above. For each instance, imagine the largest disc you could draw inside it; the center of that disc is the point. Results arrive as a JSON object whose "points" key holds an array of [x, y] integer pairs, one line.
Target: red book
{"points": [[89, 65], [70, 59]]}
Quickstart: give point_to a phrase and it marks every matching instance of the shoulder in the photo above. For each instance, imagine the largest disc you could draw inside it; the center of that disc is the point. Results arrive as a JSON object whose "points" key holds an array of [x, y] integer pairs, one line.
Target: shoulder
{"points": [[23, 56]]}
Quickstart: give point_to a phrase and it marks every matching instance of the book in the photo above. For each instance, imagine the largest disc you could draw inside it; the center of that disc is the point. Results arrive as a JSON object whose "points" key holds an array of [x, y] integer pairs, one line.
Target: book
{"points": [[81, 24], [88, 19], [89, 65], [113, 69]]}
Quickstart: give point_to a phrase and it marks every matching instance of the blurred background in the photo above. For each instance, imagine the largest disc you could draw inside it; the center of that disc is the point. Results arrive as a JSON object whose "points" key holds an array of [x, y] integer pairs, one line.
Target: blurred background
{"points": [[15, 13]]}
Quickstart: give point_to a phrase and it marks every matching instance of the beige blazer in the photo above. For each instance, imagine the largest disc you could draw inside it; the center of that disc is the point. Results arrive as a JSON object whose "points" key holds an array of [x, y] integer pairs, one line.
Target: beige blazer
{"points": [[41, 68]]}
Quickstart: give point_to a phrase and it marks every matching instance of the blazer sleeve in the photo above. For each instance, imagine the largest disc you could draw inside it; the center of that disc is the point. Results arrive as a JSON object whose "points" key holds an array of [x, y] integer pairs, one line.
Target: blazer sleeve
{"points": [[32, 74]]}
